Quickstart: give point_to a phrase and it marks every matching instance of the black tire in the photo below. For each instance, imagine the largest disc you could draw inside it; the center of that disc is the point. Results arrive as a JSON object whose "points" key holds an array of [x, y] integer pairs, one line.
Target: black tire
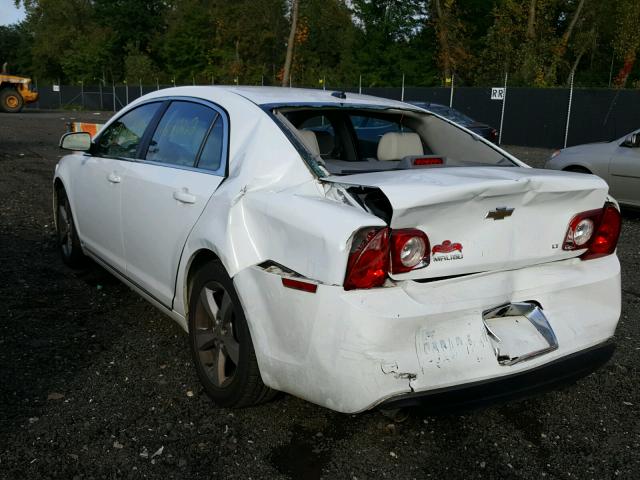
{"points": [[68, 241], [577, 169], [220, 341], [10, 100]]}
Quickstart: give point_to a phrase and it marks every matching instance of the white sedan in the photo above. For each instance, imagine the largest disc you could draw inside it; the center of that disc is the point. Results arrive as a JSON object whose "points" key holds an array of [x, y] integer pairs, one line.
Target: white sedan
{"points": [[436, 266]]}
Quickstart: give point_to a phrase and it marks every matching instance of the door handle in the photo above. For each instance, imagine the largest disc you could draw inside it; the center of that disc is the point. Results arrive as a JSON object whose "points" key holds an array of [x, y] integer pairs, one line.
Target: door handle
{"points": [[113, 177], [184, 196]]}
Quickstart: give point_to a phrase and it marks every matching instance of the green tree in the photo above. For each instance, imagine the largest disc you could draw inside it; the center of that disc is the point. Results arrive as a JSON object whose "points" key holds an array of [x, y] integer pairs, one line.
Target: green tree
{"points": [[138, 65], [15, 48], [325, 42], [386, 30], [627, 38], [66, 42]]}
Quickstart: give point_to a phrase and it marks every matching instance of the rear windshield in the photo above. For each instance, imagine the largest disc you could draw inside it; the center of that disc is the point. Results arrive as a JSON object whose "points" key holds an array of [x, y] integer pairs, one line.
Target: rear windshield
{"points": [[344, 141]]}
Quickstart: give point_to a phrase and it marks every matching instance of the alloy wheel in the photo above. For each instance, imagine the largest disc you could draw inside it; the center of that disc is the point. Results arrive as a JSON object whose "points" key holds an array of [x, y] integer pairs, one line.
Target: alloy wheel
{"points": [[216, 341]]}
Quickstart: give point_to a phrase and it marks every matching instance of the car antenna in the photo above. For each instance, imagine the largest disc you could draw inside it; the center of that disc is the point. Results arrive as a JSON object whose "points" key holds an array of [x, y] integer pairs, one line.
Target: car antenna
{"points": [[341, 95]]}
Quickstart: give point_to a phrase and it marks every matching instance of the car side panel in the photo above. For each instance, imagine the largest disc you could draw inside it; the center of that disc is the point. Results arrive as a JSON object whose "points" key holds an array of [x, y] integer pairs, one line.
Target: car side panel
{"points": [[264, 225], [156, 222], [625, 175], [95, 200]]}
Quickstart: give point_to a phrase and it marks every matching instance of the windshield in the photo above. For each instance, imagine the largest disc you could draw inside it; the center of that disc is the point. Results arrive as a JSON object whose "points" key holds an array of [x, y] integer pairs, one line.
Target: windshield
{"points": [[344, 141]]}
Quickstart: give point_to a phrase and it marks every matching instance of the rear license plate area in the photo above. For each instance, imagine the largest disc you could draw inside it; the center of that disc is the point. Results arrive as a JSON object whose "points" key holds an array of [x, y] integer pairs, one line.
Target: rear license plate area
{"points": [[519, 332]]}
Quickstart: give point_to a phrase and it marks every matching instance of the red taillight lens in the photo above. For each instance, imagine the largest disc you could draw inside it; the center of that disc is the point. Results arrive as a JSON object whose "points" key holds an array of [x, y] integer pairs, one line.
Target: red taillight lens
{"points": [[410, 249], [596, 230], [605, 240], [368, 263], [377, 251]]}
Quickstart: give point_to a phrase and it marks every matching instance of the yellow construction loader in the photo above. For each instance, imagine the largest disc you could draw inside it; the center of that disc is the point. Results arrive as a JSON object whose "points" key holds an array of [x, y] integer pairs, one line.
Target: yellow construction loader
{"points": [[15, 92]]}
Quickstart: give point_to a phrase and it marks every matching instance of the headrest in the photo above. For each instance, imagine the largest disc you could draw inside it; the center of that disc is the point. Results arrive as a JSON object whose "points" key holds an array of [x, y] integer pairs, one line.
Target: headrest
{"points": [[310, 140], [325, 142], [397, 145]]}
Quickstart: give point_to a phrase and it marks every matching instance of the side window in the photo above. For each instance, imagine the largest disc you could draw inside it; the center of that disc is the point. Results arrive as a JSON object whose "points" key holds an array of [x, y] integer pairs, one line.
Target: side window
{"points": [[211, 156], [122, 137], [180, 133], [369, 131]]}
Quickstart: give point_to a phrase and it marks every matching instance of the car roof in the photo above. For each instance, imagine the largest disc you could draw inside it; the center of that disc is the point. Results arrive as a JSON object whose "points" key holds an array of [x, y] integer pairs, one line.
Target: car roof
{"points": [[290, 96], [284, 95]]}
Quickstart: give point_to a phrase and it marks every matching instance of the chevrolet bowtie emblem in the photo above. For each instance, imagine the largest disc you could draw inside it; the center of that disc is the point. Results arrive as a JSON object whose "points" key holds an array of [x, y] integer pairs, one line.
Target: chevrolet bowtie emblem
{"points": [[500, 213]]}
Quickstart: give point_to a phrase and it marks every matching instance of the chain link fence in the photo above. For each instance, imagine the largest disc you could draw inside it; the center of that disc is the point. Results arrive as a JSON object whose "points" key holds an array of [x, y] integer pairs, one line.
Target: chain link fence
{"points": [[534, 117]]}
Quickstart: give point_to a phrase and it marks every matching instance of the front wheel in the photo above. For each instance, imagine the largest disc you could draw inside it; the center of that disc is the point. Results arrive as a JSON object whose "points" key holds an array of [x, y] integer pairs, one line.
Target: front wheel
{"points": [[10, 100], [221, 343], [68, 240]]}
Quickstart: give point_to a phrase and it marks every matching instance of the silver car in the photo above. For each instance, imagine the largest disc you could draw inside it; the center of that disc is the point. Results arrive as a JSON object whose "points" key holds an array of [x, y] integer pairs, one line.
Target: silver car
{"points": [[617, 162]]}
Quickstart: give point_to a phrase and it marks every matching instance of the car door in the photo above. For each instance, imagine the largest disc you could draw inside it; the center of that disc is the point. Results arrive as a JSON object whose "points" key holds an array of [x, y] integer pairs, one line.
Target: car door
{"points": [[166, 191], [97, 184], [624, 173]]}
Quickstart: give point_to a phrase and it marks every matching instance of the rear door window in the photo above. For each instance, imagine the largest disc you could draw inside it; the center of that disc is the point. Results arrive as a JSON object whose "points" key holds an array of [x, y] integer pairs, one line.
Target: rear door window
{"points": [[211, 156], [180, 134], [122, 138]]}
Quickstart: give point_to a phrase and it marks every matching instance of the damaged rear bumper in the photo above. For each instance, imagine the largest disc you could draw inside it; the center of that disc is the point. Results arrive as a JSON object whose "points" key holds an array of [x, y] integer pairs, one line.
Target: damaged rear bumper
{"points": [[549, 376], [353, 350]]}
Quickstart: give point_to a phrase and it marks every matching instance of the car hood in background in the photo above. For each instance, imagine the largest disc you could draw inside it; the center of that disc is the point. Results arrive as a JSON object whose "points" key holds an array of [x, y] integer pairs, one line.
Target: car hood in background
{"points": [[591, 148]]}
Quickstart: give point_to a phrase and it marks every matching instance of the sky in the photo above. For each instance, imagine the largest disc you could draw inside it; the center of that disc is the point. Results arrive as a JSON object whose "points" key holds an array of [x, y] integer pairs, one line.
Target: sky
{"points": [[9, 13]]}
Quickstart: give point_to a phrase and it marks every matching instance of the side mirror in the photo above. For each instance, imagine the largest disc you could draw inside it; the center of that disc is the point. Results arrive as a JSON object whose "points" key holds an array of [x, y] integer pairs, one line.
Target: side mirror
{"points": [[632, 141], [76, 141]]}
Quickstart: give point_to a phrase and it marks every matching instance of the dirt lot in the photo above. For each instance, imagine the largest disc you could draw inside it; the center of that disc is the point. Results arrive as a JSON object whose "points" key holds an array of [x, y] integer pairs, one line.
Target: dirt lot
{"points": [[95, 383]]}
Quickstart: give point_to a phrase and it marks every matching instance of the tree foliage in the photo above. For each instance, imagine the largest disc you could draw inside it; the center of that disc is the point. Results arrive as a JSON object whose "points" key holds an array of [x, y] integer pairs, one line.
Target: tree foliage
{"points": [[539, 42]]}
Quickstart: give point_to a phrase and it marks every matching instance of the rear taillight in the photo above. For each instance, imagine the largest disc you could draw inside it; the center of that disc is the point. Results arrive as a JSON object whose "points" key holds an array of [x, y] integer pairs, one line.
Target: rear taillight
{"points": [[597, 231], [368, 263], [409, 250], [605, 240], [375, 252]]}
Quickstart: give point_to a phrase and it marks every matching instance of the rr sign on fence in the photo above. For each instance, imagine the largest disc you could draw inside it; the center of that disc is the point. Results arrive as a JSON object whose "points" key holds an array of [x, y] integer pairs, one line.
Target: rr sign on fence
{"points": [[497, 93]]}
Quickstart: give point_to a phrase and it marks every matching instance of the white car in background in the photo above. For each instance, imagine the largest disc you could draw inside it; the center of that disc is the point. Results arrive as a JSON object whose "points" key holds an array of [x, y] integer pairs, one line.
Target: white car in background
{"points": [[440, 267], [617, 162]]}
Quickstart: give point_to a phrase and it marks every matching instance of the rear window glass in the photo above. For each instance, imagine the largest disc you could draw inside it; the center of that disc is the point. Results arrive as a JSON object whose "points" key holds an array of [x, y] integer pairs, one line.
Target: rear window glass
{"points": [[325, 134], [180, 134], [363, 139], [369, 131]]}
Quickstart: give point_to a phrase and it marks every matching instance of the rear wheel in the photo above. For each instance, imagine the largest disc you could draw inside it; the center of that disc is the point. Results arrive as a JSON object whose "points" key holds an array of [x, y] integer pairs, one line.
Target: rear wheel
{"points": [[221, 343], [10, 100]]}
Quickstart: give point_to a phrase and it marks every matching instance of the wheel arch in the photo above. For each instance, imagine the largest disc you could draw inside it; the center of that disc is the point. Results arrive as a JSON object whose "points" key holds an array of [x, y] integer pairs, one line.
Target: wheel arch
{"points": [[196, 261], [576, 167]]}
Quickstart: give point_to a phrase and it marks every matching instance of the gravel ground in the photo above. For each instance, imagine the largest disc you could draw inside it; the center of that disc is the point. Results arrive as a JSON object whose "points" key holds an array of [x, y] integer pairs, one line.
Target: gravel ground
{"points": [[95, 383]]}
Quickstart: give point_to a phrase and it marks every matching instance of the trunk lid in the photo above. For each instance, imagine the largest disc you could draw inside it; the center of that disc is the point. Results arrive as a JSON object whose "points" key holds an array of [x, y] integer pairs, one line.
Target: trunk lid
{"points": [[461, 211]]}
